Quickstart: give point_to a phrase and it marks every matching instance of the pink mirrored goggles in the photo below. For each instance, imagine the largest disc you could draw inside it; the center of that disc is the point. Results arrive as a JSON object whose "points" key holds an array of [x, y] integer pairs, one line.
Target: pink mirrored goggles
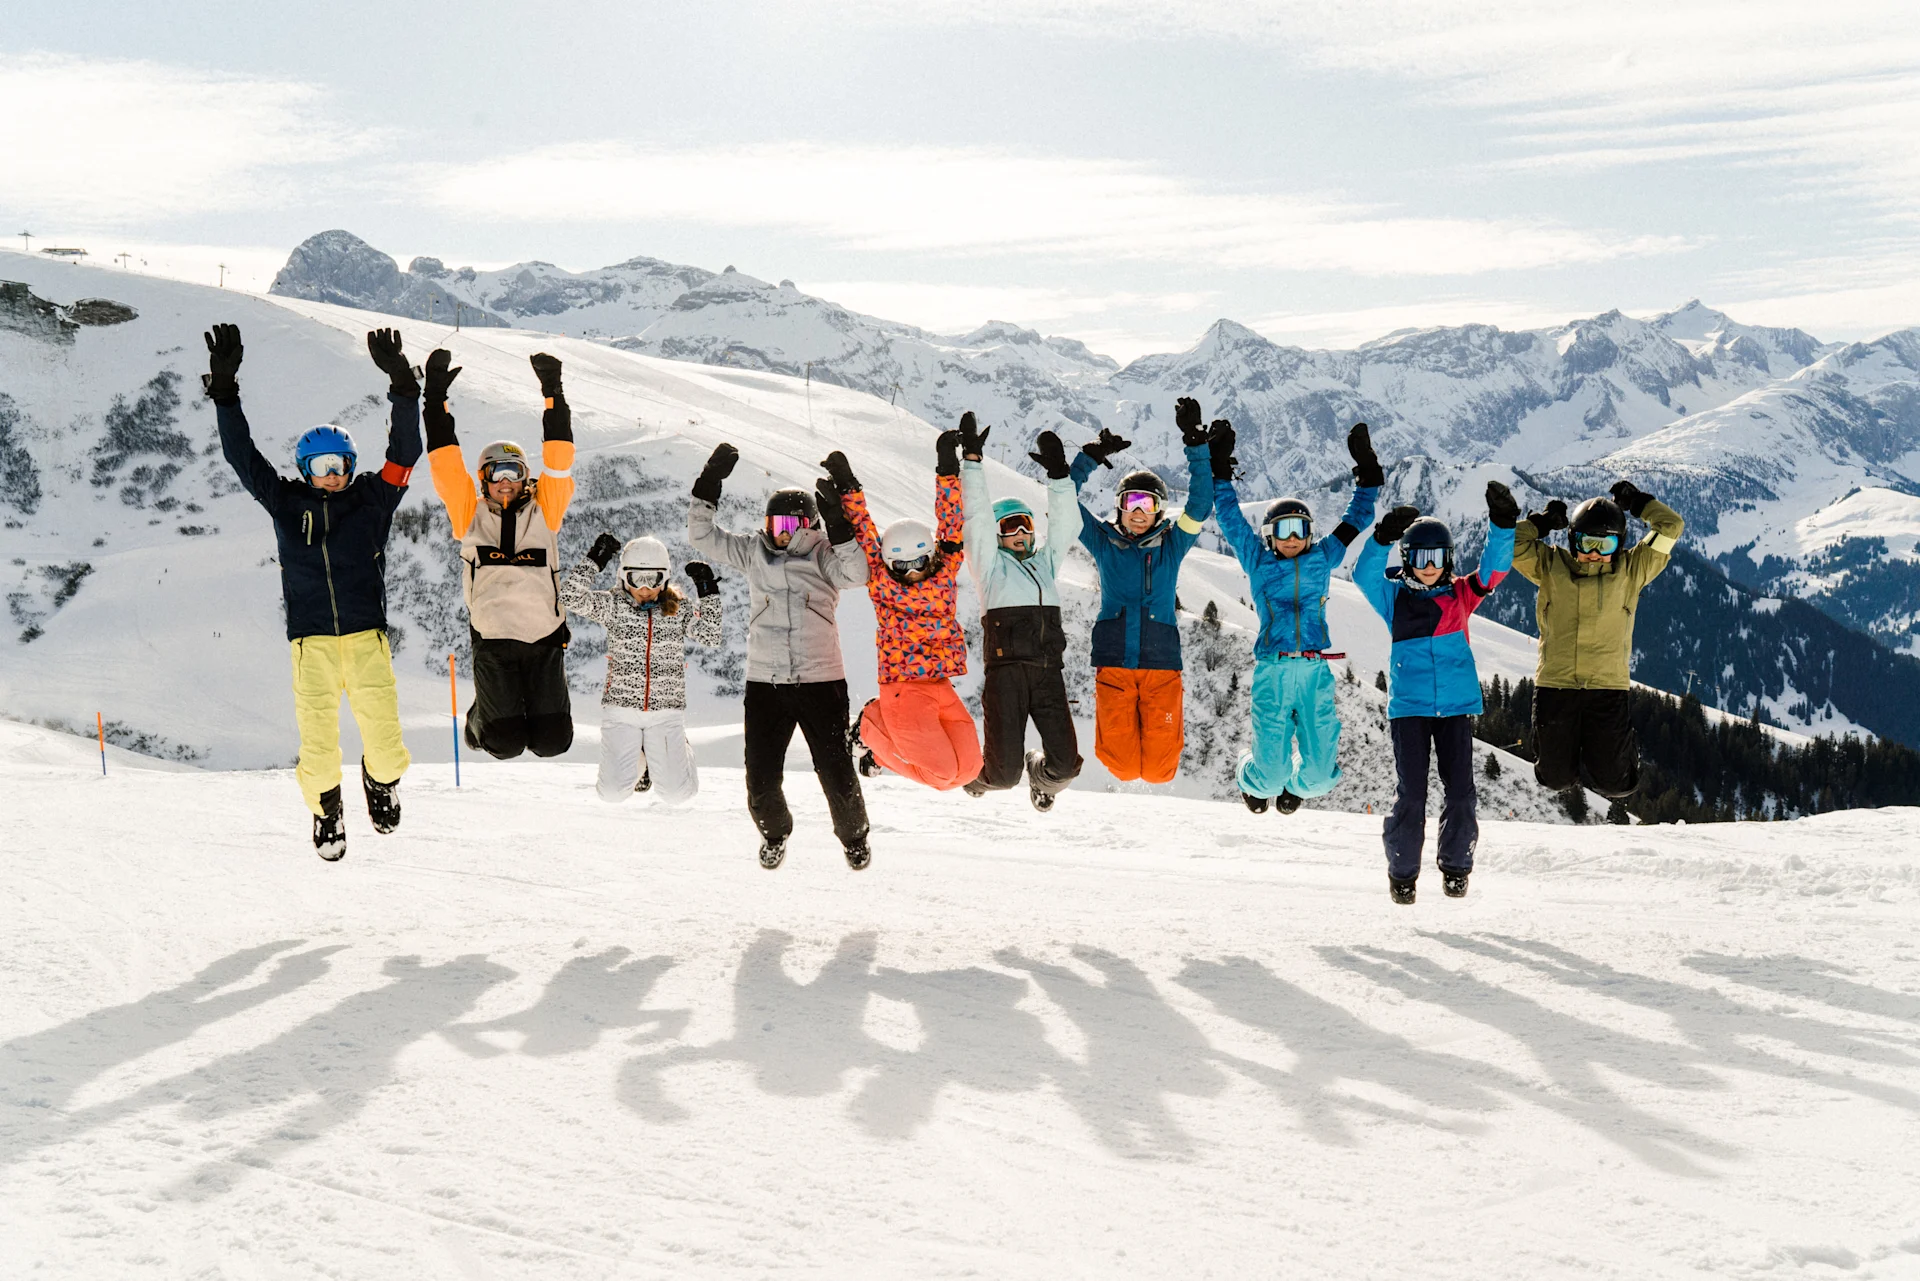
{"points": [[778, 525]]}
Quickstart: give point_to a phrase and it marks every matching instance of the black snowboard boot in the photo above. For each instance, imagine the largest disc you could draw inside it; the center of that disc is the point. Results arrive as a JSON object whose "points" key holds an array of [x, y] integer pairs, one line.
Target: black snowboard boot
{"points": [[772, 852], [383, 800], [1402, 891], [862, 755], [1258, 804], [330, 828], [858, 855], [1042, 799], [1286, 803], [1454, 883], [646, 780]]}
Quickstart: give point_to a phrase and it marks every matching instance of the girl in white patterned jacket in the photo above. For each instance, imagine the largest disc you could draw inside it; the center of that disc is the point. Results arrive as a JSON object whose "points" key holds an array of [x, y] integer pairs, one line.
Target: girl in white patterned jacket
{"points": [[643, 713]]}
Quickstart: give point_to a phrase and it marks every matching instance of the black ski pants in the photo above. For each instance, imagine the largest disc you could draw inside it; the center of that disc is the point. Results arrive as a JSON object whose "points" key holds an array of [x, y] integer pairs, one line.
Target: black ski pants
{"points": [[1585, 727], [520, 700], [1447, 741], [1011, 695], [818, 709]]}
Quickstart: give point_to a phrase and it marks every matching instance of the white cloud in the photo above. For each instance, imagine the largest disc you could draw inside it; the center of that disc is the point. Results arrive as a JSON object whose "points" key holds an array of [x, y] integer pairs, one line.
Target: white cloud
{"points": [[974, 202], [955, 309], [121, 142]]}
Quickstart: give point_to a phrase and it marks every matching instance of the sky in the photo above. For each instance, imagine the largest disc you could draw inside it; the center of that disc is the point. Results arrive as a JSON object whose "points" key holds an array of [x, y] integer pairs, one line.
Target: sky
{"points": [[1121, 171]]}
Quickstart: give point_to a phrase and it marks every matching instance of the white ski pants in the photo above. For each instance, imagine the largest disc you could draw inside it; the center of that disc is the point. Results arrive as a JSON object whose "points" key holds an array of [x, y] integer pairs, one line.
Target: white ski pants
{"points": [[633, 741]]}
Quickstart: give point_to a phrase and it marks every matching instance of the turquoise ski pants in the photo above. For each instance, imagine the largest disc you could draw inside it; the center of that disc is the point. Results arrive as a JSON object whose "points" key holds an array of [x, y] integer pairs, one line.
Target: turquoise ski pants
{"points": [[1292, 706]]}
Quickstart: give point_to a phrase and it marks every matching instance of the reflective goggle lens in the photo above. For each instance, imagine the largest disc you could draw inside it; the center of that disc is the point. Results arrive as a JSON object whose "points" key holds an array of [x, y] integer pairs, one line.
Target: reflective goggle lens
{"points": [[914, 566], [330, 465], [1016, 523], [1605, 544], [1289, 527], [778, 525], [1139, 500], [506, 469], [646, 577], [1424, 557]]}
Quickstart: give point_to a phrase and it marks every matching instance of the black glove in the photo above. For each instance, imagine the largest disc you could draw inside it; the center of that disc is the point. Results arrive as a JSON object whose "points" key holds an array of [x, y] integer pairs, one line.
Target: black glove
{"points": [[1393, 525], [384, 346], [706, 487], [1632, 499], [1051, 455], [1502, 511], [1554, 517], [547, 368], [604, 549], [1104, 448], [1367, 473], [224, 353], [946, 452], [973, 437], [832, 518], [841, 471], [1220, 440], [1186, 416], [702, 575], [439, 377]]}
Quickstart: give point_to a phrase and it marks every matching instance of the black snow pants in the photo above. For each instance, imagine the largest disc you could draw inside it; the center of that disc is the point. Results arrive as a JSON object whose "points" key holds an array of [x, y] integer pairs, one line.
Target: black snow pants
{"points": [[818, 709], [1590, 727], [1448, 741], [520, 700], [1011, 695]]}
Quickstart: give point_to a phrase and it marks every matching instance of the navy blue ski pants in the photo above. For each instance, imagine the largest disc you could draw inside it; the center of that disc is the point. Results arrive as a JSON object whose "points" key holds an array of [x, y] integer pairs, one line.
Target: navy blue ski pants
{"points": [[1417, 740]]}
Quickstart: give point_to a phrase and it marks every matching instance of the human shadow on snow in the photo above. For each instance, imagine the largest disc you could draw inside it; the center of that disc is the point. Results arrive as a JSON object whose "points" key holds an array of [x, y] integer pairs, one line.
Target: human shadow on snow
{"points": [[587, 996], [1810, 980]]}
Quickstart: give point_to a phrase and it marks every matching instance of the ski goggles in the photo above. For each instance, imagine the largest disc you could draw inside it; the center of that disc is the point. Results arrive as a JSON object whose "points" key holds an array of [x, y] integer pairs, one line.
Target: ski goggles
{"points": [[1604, 544], [1424, 557], [918, 565], [644, 578], [1015, 523], [1290, 527], [330, 465], [504, 469], [1133, 500], [778, 525]]}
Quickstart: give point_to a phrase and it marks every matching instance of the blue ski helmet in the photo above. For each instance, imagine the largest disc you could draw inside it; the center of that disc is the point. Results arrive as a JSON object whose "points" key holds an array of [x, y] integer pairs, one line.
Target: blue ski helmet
{"points": [[1005, 507], [324, 439]]}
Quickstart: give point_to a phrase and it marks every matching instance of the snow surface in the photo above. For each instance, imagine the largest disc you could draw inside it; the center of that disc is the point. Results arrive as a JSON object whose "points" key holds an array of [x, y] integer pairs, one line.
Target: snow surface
{"points": [[531, 1035]]}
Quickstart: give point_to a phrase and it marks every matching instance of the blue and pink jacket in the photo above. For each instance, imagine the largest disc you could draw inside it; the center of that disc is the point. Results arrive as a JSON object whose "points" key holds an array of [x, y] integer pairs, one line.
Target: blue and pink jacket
{"points": [[1433, 671]]}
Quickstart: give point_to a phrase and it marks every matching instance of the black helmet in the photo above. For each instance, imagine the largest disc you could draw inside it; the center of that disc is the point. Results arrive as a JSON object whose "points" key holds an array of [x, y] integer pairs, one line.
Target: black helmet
{"points": [[1428, 534], [1281, 508], [1598, 516], [1140, 482], [792, 502]]}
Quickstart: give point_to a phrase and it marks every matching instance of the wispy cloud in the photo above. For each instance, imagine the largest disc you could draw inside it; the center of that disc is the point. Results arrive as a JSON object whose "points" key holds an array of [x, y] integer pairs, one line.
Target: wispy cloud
{"points": [[976, 202], [952, 309]]}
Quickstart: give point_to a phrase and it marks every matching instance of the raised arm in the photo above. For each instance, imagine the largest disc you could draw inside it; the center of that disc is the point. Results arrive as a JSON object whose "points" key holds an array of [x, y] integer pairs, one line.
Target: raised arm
{"points": [[1502, 515], [948, 518], [1195, 440], [1097, 453], [1370, 576], [850, 498], [1530, 546], [257, 475], [1368, 479], [451, 483], [1241, 536], [707, 537], [977, 503], [1651, 554], [555, 486], [705, 628], [576, 589]]}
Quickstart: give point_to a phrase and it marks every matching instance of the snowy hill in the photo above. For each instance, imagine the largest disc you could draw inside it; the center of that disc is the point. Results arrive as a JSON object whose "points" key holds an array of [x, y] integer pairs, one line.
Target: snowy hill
{"points": [[534, 1036]]}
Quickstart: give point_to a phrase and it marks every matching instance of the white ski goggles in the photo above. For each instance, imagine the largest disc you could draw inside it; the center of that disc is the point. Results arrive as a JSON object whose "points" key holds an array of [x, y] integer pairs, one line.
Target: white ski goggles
{"points": [[1290, 527], [644, 578], [505, 469], [330, 465], [1424, 557]]}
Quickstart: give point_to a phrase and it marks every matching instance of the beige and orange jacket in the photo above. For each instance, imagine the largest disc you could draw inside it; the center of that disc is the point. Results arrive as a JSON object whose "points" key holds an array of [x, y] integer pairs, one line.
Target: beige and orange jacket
{"points": [[512, 555]]}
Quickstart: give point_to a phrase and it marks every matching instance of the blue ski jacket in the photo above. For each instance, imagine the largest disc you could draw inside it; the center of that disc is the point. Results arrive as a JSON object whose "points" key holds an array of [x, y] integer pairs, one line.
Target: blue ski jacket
{"points": [[1290, 595], [333, 571], [1433, 669], [1138, 573]]}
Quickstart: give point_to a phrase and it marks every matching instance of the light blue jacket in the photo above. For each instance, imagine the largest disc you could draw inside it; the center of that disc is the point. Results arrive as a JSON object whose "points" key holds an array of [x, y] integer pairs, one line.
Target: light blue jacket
{"points": [[1002, 579], [1290, 595]]}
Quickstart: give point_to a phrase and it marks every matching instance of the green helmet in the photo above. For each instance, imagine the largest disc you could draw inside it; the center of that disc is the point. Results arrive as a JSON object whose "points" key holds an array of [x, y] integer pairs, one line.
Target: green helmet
{"points": [[1005, 507]]}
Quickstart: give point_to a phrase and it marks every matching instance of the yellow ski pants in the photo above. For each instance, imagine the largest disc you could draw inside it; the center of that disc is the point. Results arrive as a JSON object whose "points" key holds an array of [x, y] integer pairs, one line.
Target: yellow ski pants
{"points": [[360, 666]]}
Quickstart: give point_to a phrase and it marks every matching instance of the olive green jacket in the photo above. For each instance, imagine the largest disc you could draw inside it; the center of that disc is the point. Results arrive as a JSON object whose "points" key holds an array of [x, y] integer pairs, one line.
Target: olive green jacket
{"points": [[1586, 611]]}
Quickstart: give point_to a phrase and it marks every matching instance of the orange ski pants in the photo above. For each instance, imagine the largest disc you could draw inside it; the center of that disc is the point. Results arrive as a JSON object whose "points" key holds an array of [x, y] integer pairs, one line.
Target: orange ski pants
{"points": [[921, 729], [1139, 725]]}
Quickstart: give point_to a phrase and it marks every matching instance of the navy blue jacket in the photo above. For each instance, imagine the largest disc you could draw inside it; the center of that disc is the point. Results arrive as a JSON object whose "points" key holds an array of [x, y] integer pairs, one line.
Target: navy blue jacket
{"points": [[1433, 670], [333, 569]]}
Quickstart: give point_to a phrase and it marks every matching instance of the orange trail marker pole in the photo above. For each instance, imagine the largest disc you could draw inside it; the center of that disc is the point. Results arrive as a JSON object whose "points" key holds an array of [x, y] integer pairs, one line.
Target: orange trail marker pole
{"points": [[453, 704], [100, 723]]}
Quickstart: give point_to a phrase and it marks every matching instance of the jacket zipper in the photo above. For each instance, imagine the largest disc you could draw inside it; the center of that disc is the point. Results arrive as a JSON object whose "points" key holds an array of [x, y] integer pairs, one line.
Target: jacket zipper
{"points": [[326, 559], [646, 689], [1296, 604]]}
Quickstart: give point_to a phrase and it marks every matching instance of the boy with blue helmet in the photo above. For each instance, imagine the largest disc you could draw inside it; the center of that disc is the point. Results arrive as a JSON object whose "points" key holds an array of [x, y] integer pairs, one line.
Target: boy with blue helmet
{"points": [[1435, 688], [1291, 575], [331, 526]]}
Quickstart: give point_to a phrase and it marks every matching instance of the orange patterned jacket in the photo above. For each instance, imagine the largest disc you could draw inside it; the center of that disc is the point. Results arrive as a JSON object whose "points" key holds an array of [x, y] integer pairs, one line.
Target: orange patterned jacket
{"points": [[917, 634]]}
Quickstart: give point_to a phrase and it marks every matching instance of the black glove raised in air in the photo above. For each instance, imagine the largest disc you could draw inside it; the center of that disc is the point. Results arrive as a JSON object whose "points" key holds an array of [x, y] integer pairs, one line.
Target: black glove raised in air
{"points": [[547, 369], [946, 453], [604, 549], [1220, 440], [1186, 416], [832, 518], [224, 353], [1102, 450], [1051, 455], [1632, 499], [439, 376], [1367, 473], [973, 437], [702, 575], [842, 472], [1545, 522], [720, 465], [1502, 510], [384, 346], [1393, 525]]}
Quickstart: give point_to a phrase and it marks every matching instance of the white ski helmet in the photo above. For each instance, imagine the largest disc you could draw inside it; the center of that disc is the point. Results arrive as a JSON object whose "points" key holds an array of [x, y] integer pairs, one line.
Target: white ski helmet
{"points": [[908, 545], [645, 553], [497, 452]]}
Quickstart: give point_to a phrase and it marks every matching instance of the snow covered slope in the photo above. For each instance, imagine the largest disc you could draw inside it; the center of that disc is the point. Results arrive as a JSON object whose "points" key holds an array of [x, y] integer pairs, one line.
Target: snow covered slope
{"points": [[534, 1036]]}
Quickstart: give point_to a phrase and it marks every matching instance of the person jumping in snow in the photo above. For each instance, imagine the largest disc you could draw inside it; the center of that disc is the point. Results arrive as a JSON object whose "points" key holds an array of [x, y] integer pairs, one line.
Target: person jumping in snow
{"points": [[509, 532], [795, 570], [1291, 576], [1435, 686], [917, 726], [1138, 699], [332, 527], [1014, 577], [1589, 591], [643, 711]]}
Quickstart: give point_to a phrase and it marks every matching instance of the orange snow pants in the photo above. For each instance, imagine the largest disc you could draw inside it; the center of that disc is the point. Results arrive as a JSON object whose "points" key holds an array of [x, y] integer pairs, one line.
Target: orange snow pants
{"points": [[1139, 724], [922, 730]]}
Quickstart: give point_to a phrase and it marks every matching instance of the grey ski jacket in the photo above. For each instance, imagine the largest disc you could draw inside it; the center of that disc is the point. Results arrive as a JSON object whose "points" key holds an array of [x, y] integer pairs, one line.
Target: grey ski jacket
{"points": [[793, 593]]}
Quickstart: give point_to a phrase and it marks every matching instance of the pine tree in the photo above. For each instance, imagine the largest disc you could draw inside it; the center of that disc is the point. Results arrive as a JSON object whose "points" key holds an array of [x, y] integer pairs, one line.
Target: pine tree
{"points": [[1492, 768], [1380, 681]]}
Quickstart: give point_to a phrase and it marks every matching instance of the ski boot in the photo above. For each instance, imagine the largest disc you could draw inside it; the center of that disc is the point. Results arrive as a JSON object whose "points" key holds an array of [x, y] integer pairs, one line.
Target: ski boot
{"points": [[1286, 803], [1402, 891], [383, 801], [1258, 804], [976, 789], [646, 780], [862, 754], [330, 828], [858, 854], [772, 852], [1453, 882], [1042, 799]]}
